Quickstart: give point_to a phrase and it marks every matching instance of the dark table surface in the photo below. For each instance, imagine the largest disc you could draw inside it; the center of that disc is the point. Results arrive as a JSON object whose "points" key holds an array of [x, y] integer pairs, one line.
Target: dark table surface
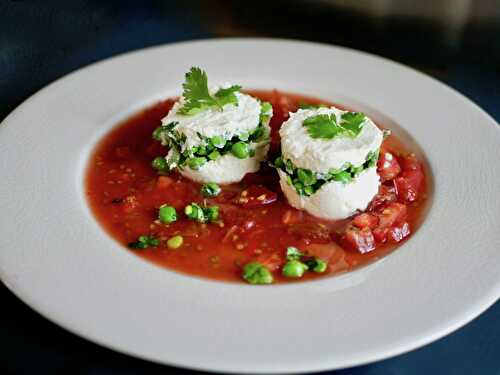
{"points": [[41, 41]]}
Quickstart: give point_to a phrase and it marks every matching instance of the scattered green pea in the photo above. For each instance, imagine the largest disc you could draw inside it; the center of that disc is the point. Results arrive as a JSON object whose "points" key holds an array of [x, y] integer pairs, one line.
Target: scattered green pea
{"points": [[195, 212], [210, 189], [167, 214], [294, 268], [159, 163], [211, 213], [175, 242], [256, 273], [240, 150]]}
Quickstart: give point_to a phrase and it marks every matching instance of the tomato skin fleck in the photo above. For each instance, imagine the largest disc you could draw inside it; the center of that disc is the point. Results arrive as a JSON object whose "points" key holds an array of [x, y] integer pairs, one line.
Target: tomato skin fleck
{"points": [[360, 240], [366, 220], [399, 232]]}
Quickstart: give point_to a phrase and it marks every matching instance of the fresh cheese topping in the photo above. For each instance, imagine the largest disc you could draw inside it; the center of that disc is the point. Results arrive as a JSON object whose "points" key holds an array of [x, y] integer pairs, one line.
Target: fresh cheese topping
{"points": [[334, 200], [232, 120], [323, 155]]}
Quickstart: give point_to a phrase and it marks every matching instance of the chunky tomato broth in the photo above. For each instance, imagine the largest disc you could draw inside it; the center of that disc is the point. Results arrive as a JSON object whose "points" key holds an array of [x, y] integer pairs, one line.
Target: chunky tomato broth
{"points": [[125, 192]]}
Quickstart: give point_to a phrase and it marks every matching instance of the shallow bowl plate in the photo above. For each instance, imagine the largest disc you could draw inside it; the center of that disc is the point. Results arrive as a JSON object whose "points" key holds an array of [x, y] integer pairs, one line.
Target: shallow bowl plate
{"points": [[56, 258]]}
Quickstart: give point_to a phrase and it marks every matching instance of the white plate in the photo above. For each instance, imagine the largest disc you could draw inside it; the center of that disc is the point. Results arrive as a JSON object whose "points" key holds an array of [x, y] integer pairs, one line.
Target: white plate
{"points": [[57, 259]]}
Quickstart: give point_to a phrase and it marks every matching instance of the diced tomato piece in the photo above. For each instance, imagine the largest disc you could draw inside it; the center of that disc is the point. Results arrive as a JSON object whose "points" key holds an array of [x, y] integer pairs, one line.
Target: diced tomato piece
{"points": [[392, 214], [386, 194], [360, 240], [410, 163], [388, 166], [365, 220], [380, 234], [399, 232], [256, 196], [164, 182], [408, 185]]}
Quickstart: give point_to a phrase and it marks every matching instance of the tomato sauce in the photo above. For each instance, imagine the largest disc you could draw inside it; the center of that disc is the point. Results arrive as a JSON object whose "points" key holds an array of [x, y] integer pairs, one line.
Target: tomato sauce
{"points": [[125, 192]]}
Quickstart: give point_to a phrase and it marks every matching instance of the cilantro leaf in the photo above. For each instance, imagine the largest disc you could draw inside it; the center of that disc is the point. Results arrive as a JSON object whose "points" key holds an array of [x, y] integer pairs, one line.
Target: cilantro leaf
{"points": [[226, 96], [326, 126], [353, 122], [323, 126], [198, 98]]}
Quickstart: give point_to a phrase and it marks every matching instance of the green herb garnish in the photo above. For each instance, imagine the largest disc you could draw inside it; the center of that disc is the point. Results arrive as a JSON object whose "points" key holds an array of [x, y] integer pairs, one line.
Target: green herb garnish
{"points": [[202, 214], [210, 189], [197, 96], [143, 242], [327, 127], [256, 273]]}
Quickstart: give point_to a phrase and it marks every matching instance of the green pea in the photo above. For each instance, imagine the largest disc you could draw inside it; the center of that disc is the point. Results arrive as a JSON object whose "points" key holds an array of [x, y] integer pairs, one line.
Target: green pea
{"points": [[159, 163], [244, 136], [196, 162], [306, 176], [202, 150], [256, 273], [195, 212], [251, 152], [214, 155], [342, 177], [294, 268], [167, 214], [157, 133], [210, 189], [290, 168], [211, 213], [308, 190], [320, 265], [175, 242], [240, 150], [218, 141], [278, 163]]}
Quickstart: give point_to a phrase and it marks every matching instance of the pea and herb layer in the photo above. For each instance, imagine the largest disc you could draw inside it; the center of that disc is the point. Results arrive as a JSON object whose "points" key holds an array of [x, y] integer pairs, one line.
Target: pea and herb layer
{"points": [[307, 182]]}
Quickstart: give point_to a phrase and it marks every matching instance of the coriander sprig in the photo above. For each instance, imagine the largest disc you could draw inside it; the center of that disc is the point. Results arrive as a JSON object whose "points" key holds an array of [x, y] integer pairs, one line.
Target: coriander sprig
{"points": [[198, 98], [327, 126]]}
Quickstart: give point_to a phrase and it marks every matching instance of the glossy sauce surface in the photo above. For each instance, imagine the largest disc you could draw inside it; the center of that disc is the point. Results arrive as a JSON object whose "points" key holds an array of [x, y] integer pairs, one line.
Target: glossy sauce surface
{"points": [[125, 192]]}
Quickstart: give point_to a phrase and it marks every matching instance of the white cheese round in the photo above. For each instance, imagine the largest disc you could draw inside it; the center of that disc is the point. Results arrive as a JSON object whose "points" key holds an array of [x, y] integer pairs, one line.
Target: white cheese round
{"points": [[228, 168], [321, 155], [335, 200], [230, 121]]}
